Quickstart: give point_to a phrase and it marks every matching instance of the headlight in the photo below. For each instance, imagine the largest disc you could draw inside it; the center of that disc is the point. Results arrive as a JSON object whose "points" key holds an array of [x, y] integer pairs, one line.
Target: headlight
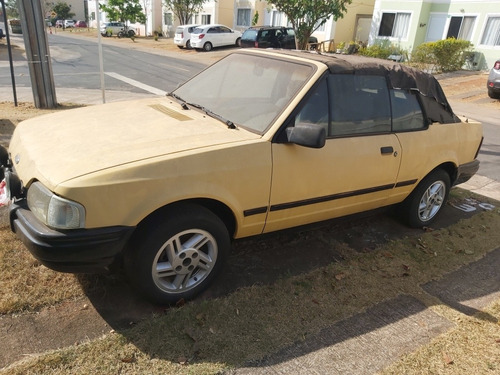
{"points": [[54, 211]]}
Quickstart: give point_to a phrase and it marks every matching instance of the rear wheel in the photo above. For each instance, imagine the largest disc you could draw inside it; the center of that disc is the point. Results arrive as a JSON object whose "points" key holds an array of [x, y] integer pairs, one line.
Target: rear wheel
{"points": [[130, 33], [207, 47], [176, 256], [188, 44], [423, 205], [238, 42]]}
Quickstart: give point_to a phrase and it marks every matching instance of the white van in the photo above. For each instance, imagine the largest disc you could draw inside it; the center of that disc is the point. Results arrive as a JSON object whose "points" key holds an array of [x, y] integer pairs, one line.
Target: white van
{"points": [[183, 35]]}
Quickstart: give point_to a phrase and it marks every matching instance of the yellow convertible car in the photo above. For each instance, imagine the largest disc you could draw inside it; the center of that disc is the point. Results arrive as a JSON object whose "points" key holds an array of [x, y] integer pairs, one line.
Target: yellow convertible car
{"points": [[257, 142]]}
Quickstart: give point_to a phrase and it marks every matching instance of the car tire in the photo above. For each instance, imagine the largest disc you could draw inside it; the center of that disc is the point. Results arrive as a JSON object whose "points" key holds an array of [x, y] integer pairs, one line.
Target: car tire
{"points": [[238, 42], [492, 94], [176, 255], [130, 33], [188, 44], [109, 33], [207, 47], [426, 201]]}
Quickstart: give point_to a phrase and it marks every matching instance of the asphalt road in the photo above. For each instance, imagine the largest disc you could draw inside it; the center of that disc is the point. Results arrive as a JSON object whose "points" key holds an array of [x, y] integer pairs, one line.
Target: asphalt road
{"points": [[75, 64]]}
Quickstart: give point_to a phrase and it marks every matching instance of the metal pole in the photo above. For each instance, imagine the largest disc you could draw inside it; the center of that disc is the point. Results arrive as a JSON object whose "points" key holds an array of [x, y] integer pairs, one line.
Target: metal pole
{"points": [[9, 48], [99, 43], [37, 52]]}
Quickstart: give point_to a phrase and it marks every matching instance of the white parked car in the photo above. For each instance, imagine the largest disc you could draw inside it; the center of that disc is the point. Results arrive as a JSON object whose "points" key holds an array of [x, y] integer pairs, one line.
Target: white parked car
{"points": [[113, 28], [206, 37], [69, 23], [182, 37]]}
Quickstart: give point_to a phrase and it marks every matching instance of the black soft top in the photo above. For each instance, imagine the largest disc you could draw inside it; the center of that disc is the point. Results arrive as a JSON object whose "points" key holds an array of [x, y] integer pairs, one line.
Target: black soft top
{"points": [[399, 76]]}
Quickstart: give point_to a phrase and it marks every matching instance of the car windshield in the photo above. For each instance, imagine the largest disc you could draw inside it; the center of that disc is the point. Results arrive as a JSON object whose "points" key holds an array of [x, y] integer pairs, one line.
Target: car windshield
{"points": [[248, 90]]}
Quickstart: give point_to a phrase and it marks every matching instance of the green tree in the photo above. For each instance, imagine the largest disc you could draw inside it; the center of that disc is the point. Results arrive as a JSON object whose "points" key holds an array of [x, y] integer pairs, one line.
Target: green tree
{"points": [[63, 11], [306, 16], [184, 9], [124, 10], [11, 9]]}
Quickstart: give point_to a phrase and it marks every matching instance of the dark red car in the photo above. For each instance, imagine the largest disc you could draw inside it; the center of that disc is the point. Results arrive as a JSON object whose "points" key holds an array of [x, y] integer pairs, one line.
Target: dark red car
{"points": [[80, 24]]}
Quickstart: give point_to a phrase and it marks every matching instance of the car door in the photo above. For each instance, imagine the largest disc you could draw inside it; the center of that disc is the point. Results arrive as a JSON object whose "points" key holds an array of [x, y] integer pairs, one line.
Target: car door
{"points": [[213, 35], [357, 168], [227, 36], [289, 39]]}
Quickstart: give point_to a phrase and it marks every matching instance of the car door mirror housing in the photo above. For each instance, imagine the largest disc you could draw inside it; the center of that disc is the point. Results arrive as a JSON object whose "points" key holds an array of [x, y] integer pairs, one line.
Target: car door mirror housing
{"points": [[307, 135]]}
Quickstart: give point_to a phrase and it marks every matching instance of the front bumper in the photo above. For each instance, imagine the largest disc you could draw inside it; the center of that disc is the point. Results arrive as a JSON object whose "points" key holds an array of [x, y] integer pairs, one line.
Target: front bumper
{"points": [[466, 171], [76, 251]]}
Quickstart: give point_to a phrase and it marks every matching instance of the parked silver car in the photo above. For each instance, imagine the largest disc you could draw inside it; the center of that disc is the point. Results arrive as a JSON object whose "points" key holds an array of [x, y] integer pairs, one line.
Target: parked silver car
{"points": [[493, 83], [114, 28], [183, 35], [206, 37]]}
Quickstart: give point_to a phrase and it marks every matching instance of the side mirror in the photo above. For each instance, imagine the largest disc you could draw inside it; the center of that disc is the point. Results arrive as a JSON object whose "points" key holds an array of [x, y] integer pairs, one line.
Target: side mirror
{"points": [[307, 135]]}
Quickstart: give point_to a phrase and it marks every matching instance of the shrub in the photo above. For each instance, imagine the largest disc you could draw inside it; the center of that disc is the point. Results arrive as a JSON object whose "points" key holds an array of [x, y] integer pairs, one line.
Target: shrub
{"points": [[382, 49], [446, 55]]}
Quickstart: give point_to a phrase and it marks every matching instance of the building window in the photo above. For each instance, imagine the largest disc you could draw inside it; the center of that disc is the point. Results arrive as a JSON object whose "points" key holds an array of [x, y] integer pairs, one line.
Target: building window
{"points": [[394, 25], [277, 18], [491, 35], [320, 28], [243, 17], [461, 27], [205, 19], [167, 19]]}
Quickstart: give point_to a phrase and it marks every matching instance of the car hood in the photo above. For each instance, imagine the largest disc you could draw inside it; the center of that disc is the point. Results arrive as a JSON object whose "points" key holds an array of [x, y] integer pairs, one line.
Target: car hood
{"points": [[61, 146]]}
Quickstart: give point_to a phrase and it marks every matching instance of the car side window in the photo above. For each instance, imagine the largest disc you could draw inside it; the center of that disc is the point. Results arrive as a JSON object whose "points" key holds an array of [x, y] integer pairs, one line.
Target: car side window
{"points": [[315, 109], [406, 111], [213, 30], [264, 36], [359, 104]]}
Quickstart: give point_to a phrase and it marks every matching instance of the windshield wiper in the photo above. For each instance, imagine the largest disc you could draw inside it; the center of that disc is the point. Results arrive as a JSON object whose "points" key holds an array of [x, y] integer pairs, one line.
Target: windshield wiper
{"points": [[182, 101], [229, 123]]}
